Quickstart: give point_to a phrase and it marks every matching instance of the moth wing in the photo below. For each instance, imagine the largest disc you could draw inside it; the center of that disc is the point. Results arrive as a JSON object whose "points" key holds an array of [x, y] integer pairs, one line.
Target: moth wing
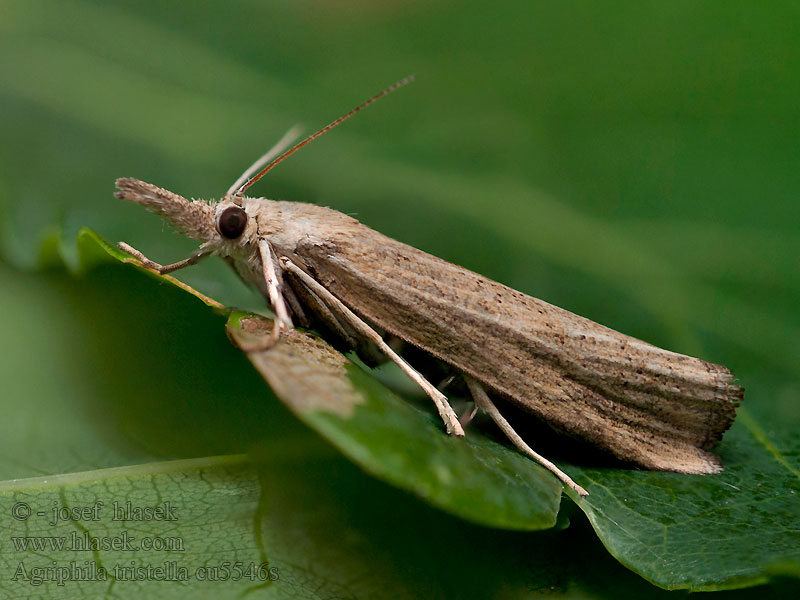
{"points": [[650, 406]]}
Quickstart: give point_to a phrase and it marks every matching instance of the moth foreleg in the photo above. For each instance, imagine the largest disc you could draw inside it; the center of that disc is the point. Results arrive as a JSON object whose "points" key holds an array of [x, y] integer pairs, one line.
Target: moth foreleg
{"points": [[440, 400], [483, 402], [275, 298], [162, 269]]}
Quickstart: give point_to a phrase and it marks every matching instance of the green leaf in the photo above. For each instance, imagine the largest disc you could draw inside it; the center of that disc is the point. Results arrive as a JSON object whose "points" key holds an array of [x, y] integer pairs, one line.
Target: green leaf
{"points": [[120, 387], [677, 531], [150, 527], [475, 478], [732, 530]]}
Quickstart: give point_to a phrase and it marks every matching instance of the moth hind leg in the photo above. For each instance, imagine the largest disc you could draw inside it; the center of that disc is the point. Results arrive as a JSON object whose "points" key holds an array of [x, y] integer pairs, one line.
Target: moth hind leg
{"points": [[483, 402]]}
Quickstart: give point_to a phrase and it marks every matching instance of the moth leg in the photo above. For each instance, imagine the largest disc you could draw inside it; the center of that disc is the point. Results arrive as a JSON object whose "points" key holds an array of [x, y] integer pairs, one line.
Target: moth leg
{"points": [[440, 400], [271, 277], [296, 308], [446, 381], [467, 417], [162, 269], [275, 297], [338, 333], [325, 319], [483, 402]]}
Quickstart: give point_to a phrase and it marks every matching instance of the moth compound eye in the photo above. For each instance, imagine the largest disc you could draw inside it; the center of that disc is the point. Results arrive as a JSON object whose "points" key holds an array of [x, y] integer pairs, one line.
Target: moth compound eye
{"points": [[231, 222]]}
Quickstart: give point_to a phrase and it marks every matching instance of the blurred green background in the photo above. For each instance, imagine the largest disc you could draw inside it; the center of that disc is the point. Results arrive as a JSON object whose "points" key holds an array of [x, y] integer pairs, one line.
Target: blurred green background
{"points": [[634, 162]]}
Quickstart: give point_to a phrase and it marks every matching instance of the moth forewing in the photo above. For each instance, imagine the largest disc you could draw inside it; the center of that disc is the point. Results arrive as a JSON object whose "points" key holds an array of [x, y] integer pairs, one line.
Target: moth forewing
{"points": [[646, 405]]}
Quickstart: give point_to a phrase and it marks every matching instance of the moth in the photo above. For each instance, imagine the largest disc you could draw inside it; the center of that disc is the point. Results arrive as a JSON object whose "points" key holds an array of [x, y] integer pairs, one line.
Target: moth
{"points": [[318, 267]]}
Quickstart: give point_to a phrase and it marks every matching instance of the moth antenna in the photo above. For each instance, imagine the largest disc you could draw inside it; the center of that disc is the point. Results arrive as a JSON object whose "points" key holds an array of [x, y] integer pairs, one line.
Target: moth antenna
{"points": [[325, 129], [282, 144]]}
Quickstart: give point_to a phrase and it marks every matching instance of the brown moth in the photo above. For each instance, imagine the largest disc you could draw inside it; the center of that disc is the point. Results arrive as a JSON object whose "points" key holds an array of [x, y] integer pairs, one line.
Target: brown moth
{"points": [[318, 267]]}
